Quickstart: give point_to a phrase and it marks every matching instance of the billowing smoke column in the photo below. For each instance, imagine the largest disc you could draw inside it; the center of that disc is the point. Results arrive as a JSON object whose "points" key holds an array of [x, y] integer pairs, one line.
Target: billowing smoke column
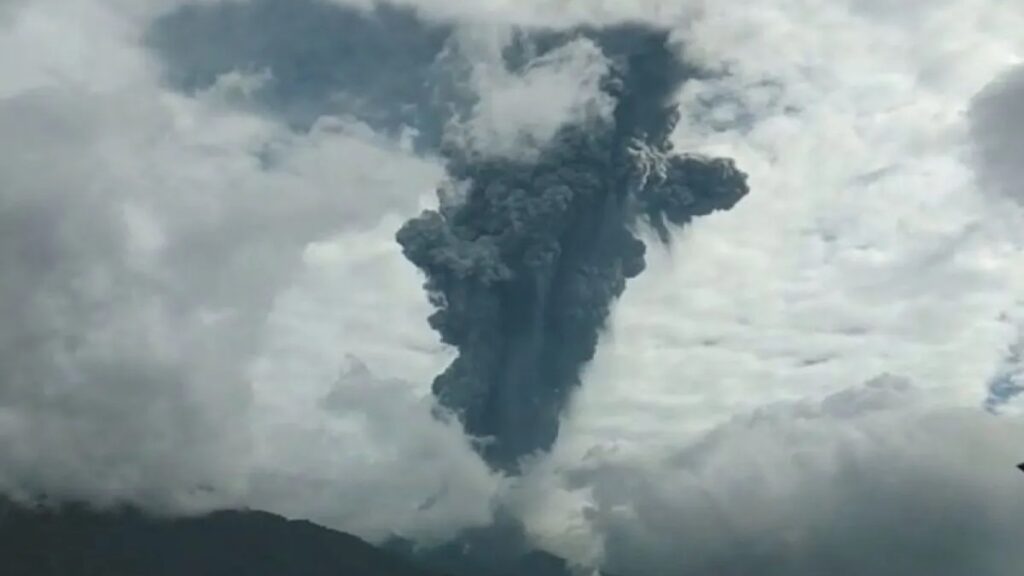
{"points": [[524, 265]]}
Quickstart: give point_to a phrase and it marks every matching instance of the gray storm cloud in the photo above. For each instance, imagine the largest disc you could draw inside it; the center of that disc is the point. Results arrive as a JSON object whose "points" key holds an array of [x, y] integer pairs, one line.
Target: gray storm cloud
{"points": [[997, 126], [997, 123], [378, 64], [525, 257]]}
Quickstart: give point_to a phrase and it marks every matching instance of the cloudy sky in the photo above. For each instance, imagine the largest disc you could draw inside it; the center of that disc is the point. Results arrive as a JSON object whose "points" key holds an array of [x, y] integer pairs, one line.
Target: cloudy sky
{"points": [[203, 304]]}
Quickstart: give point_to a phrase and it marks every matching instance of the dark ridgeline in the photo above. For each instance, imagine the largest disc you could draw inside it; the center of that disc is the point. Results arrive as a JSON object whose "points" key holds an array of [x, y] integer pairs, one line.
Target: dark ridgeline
{"points": [[524, 267], [74, 540], [77, 540]]}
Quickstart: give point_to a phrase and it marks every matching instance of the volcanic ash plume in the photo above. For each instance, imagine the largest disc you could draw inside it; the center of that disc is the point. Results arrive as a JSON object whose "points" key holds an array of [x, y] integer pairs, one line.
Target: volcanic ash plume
{"points": [[524, 263]]}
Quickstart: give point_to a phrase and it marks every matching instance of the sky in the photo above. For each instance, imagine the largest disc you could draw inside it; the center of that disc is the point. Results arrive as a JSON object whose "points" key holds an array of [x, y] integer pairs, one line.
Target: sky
{"points": [[204, 305]]}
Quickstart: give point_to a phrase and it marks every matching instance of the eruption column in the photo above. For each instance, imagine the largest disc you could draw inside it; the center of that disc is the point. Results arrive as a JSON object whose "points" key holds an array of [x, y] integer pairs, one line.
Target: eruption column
{"points": [[524, 266]]}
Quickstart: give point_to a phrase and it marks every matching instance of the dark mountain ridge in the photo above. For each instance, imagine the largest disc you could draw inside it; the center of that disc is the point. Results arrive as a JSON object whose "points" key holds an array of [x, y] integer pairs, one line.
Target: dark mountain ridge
{"points": [[78, 540], [74, 540]]}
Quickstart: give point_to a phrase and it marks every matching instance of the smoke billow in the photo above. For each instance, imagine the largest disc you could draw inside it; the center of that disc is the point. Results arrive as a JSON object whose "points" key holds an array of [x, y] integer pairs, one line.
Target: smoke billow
{"points": [[524, 262]]}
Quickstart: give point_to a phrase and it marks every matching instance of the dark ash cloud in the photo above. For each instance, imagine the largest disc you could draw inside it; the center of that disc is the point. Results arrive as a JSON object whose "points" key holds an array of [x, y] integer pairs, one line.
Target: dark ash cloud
{"points": [[997, 128], [524, 258], [378, 64], [997, 133]]}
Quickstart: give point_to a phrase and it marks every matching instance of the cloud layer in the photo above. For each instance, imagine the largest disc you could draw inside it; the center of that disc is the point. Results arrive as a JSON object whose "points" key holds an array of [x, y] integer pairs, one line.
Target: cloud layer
{"points": [[873, 479]]}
